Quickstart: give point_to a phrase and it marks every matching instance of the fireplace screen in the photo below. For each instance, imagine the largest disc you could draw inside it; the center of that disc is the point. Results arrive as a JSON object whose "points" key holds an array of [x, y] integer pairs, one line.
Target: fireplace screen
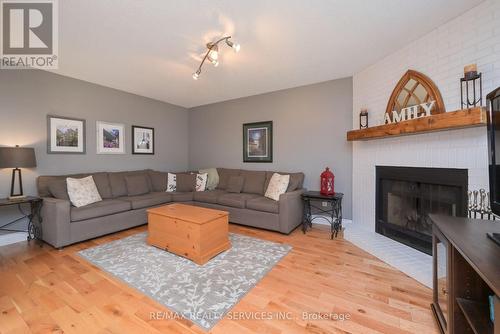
{"points": [[406, 196]]}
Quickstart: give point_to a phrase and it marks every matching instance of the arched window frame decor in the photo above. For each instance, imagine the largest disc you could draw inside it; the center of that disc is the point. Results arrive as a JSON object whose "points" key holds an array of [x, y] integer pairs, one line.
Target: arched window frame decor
{"points": [[433, 93]]}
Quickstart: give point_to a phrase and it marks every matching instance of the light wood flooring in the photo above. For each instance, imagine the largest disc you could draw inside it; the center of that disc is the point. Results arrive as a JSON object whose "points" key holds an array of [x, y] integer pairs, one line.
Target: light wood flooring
{"points": [[43, 290]]}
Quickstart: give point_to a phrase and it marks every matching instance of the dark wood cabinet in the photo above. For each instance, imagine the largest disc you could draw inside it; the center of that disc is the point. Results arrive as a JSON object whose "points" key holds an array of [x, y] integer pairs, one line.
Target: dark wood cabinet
{"points": [[441, 278], [466, 273]]}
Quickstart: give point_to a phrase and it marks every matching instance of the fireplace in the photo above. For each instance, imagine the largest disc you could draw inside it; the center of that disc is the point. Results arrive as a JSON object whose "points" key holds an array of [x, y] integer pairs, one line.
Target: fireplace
{"points": [[406, 195]]}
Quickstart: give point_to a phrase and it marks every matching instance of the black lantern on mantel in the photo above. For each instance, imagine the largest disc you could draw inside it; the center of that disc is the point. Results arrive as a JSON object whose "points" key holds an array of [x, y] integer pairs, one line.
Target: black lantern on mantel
{"points": [[363, 119], [472, 85]]}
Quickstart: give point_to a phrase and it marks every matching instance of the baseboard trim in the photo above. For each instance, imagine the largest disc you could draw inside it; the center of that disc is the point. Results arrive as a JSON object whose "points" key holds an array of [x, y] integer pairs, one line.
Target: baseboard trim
{"points": [[11, 238]]}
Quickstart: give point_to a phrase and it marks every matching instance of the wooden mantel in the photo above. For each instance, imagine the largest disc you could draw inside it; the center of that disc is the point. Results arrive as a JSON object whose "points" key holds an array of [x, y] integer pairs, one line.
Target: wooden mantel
{"points": [[459, 119]]}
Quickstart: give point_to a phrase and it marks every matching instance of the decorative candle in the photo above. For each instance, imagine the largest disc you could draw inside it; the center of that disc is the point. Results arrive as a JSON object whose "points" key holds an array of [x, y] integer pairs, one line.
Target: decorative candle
{"points": [[470, 70]]}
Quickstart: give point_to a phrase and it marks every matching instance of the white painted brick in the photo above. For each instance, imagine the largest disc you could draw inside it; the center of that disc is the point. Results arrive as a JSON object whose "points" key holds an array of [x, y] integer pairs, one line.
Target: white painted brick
{"points": [[441, 54]]}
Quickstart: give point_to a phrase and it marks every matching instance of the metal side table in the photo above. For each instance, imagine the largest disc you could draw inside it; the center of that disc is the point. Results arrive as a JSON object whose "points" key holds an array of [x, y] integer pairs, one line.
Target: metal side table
{"points": [[34, 217], [333, 211]]}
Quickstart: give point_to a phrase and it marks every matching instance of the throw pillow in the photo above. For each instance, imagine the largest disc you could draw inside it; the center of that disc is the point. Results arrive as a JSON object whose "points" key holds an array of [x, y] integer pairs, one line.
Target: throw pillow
{"points": [[137, 185], [277, 186], [186, 182], [57, 189], [201, 181], [82, 192], [171, 182], [213, 177], [235, 184]]}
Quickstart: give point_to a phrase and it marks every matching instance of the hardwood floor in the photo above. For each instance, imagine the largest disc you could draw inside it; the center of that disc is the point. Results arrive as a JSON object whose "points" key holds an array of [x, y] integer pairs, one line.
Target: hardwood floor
{"points": [[43, 290]]}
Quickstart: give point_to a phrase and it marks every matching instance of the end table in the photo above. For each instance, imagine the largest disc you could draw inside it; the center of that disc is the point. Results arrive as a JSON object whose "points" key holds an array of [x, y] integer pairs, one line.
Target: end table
{"points": [[34, 227], [333, 211]]}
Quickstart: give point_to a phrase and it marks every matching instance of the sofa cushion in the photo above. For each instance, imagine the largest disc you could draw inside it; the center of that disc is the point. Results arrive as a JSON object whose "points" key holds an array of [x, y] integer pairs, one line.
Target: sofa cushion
{"points": [[178, 196], [101, 180], [262, 203], [224, 175], [254, 181], [55, 186], [44, 181], [58, 189], [99, 209], [235, 184], [158, 180], [209, 196], [296, 180], [137, 184], [235, 200], [185, 182], [118, 184], [147, 200]]}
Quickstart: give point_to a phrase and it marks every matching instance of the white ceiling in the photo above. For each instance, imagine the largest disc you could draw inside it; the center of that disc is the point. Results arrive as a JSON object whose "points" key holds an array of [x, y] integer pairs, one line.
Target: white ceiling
{"points": [[151, 47]]}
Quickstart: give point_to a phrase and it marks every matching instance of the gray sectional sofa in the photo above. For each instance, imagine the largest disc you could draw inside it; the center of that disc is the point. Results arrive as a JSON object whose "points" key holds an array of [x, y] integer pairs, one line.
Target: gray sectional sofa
{"points": [[123, 208]]}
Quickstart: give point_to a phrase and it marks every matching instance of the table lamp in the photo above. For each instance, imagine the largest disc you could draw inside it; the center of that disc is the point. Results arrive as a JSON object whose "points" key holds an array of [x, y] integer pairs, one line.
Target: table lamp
{"points": [[17, 157]]}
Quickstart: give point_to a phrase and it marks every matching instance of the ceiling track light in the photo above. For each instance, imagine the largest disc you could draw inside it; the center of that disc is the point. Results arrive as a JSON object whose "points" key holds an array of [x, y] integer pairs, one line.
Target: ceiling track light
{"points": [[212, 54]]}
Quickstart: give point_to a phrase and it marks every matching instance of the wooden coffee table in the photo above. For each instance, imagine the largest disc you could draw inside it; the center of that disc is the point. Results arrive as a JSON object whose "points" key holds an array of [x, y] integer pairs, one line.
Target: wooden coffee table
{"points": [[189, 231]]}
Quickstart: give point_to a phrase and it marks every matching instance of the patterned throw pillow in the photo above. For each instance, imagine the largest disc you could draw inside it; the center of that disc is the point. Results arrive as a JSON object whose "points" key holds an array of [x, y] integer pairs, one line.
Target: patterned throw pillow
{"points": [[201, 181], [171, 183], [82, 192], [277, 186]]}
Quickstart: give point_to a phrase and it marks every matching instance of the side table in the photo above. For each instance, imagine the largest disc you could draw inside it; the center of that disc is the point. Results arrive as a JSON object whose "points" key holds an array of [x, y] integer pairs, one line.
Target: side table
{"points": [[334, 211], [34, 217]]}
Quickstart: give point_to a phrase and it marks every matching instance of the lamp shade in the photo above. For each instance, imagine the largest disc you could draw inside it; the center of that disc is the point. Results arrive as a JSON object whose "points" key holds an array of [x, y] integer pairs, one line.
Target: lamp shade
{"points": [[15, 157]]}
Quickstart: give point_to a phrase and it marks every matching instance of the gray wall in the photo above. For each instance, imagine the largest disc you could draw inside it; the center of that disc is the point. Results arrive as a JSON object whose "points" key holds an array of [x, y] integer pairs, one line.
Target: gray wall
{"points": [[310, 125], [27, 96]]}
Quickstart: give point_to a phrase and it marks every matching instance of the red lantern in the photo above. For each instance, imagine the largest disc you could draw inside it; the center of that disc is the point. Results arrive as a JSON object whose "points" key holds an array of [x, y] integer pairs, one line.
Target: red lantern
{"points": [[327, 179]]}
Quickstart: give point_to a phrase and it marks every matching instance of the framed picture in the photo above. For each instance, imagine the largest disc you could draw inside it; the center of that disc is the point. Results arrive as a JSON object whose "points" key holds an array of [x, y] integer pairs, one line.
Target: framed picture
{"points": [[110, 138], [65, 135], [258, 142], [143, 140]]}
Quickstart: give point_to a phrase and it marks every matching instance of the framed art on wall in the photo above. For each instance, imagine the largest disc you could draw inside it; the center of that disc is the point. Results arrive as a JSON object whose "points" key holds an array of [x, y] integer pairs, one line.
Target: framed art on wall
{"points": [[258, 142], [65, 135], [143, 140], [110, 138]]}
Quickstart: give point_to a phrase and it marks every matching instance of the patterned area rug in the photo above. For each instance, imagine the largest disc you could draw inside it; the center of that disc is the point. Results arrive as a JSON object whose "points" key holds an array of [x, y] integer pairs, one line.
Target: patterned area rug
{"points": [[202, 294]]}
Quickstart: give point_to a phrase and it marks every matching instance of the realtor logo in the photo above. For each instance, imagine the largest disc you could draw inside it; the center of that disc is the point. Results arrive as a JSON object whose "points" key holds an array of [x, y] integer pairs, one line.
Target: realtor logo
{"points": [[29, 33]]}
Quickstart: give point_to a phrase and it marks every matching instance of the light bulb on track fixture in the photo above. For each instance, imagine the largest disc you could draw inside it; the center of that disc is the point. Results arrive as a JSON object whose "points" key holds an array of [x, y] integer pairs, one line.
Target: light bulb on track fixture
{"points": [[236, 47], [212, 54]]}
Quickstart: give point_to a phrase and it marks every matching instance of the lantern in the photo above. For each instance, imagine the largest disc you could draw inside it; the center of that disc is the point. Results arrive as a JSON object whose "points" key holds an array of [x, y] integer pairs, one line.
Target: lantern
{"points": [[473, 95], [327, 179], [363, 119]]}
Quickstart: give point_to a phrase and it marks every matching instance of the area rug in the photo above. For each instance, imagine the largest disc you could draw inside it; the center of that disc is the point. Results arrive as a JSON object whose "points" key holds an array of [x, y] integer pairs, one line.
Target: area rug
{"points": [[202, 294]]}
